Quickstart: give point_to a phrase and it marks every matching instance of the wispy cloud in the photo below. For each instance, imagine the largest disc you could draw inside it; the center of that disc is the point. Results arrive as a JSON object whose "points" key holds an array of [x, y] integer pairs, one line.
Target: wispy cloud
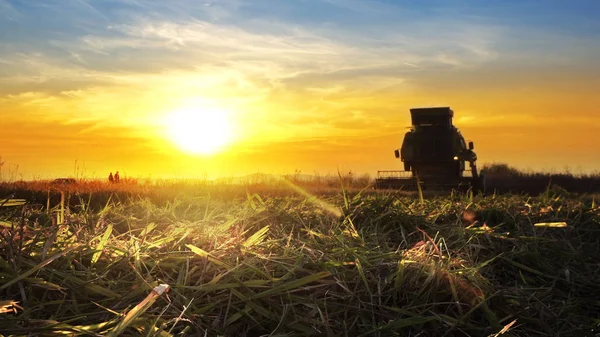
{"points": [[93, 9]]}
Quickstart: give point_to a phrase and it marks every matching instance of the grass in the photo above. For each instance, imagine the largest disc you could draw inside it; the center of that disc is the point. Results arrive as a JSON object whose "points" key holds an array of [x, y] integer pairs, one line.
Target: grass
{"points": [[204, 260]]}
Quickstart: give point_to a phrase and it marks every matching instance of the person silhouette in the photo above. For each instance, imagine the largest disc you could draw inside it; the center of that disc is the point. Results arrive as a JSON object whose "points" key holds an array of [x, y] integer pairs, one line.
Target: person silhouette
{"points": [[117, 179], [110, 178]]}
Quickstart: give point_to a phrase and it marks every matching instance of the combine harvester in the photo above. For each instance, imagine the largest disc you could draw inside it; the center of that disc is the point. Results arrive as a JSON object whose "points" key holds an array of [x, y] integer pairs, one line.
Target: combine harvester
{"points": [[434, 154]]}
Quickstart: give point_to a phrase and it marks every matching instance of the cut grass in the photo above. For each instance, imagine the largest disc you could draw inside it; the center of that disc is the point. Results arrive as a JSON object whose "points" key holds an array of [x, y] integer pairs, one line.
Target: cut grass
{"points": [[258, 264]]}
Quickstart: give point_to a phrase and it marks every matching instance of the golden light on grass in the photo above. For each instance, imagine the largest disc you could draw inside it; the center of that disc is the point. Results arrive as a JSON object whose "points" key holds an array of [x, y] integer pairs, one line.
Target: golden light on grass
{"points": [[200, 130], [551, 224]]}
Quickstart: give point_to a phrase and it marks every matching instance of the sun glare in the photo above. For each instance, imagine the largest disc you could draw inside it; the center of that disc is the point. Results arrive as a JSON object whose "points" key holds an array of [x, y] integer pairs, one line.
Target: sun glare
{"points": [[200, 131]]}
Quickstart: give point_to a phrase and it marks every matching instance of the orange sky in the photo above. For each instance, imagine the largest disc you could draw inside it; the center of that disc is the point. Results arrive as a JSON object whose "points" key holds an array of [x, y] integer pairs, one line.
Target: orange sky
{"points": [[301, 95]]}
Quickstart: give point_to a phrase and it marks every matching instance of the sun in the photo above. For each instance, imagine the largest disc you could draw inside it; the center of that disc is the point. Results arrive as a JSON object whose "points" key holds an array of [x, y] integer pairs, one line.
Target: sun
{"points": [[199, 130]]}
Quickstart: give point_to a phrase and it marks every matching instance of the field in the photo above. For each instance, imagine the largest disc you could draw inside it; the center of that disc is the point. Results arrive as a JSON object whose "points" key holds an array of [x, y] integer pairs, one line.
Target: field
{"points": [[292, 259]]}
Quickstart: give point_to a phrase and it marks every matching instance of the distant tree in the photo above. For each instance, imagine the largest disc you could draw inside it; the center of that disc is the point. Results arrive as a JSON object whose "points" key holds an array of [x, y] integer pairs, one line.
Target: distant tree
{"points": [[500, 170]]}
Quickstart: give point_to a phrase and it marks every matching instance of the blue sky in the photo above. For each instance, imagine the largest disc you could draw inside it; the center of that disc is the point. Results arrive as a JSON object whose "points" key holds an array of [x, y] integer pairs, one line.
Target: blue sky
{"points": [[75, 17]]}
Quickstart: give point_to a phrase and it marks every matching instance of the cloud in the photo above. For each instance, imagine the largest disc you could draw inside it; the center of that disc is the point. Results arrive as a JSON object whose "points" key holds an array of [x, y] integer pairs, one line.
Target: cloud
{"points": [[266, 50]]}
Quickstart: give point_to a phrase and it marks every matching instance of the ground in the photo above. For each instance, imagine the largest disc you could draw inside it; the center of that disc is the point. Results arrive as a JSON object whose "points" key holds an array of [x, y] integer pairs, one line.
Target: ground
{"points": [[254, 260]]}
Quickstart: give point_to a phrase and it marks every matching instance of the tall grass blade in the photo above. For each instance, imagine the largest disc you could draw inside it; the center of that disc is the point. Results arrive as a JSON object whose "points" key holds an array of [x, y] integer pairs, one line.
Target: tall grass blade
{"points": [[420, 189], [12, 202], [203, 253], [256, 238], [291, 285], [138, 310], [39, 266], [101, 244], [551, 224]]}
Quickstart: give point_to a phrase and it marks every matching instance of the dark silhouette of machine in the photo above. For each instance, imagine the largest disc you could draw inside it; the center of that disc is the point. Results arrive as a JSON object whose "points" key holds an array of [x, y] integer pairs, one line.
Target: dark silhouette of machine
{"points": [[434, 154]]}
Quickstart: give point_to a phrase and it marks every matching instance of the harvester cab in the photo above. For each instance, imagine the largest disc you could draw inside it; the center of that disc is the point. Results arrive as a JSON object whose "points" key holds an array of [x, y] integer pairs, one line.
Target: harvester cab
{"points": [[434, 155]]}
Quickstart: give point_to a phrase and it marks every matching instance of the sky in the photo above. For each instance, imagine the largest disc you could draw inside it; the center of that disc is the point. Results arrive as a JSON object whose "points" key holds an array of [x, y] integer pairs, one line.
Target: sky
{"points": [[313, 86]]}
